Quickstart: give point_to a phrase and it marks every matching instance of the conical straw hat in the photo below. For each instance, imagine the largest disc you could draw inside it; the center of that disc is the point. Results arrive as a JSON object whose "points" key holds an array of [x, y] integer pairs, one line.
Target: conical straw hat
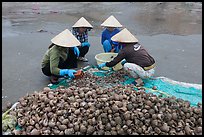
{"points": [[111, 22], [82, 22], [124, 36], [65, 39]]}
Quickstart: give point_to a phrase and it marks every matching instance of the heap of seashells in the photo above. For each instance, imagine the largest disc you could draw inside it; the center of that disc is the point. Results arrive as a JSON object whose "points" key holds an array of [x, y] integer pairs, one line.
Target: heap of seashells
{"points": [[88, 107]]}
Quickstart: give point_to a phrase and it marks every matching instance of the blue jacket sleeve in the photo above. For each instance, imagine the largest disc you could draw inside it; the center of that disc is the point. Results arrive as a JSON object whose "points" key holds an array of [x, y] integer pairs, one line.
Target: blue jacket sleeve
{"points": [[117, 30], [103, 38]]}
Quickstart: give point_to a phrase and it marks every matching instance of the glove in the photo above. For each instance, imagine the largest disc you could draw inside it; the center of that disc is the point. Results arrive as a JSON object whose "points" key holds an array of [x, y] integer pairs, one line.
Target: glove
{"points": [[76, 51], [85, 44], [101, 65], [123, 62], [69, 72]]}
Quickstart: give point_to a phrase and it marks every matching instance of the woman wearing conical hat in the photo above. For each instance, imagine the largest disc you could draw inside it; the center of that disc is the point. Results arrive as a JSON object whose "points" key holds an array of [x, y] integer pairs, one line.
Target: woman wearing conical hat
{"points": [[136, 59], [80, 31], [57, 61], [111, 25]]}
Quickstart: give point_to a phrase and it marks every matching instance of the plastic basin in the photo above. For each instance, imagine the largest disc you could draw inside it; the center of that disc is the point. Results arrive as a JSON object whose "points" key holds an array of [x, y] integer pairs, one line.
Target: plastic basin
{"points": [[106, 57]]}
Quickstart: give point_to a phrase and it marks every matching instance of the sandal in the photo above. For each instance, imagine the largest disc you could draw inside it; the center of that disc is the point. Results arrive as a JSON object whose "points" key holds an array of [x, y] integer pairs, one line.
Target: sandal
{"points": [[54, 80]]}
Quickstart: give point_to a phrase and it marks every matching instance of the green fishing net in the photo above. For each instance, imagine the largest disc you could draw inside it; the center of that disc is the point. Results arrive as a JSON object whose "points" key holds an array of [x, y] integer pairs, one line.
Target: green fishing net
{"points": [[193, 95], [164, 88]]}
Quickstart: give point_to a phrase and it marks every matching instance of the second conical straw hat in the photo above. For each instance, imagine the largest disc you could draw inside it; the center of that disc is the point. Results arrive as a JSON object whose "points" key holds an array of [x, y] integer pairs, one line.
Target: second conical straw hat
{"points": [[82, 22], [111, 22], [65, 39], [124, 36]]}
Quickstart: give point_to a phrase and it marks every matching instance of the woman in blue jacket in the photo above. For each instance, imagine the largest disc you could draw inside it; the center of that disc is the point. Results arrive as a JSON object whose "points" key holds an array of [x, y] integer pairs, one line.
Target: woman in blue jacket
{"points": [[111, 28]]}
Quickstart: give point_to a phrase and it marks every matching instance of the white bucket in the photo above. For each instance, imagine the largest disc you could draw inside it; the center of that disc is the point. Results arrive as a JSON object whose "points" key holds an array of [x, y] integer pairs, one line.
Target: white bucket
{"points": [[107, 57]]}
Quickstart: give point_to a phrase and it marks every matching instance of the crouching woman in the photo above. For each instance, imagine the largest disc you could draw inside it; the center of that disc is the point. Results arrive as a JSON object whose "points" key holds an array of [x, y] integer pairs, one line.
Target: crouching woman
{"points": [[57, 61], [136, 60]]}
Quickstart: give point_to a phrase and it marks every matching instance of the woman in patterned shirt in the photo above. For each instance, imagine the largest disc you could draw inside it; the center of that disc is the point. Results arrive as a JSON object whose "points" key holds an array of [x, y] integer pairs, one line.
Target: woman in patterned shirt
{"points": [[80, 31]]}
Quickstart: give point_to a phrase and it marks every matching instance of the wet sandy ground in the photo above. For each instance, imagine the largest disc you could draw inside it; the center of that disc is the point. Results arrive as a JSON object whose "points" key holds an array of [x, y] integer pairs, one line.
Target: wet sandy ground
{"points": [[171, 32]]}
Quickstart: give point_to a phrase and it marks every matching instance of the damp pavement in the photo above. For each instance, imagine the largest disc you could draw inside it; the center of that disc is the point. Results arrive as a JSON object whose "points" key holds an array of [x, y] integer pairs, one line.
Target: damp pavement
{"points": [[171, 32]]}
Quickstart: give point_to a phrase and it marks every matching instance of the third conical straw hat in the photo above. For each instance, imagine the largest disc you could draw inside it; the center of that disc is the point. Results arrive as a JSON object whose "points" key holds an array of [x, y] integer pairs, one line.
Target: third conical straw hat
{"points": [[82, 22], [124, 36], [111, 22], [65, 39]]}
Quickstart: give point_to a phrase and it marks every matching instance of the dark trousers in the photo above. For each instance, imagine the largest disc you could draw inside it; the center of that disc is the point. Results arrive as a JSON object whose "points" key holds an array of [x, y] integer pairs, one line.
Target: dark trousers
{"points": [[69, 63], [83, 51]]}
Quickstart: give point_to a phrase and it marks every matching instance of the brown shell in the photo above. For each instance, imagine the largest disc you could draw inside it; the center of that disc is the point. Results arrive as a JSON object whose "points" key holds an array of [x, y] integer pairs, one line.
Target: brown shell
{"points": [[83, 129], [35, 132], [69, 131]]}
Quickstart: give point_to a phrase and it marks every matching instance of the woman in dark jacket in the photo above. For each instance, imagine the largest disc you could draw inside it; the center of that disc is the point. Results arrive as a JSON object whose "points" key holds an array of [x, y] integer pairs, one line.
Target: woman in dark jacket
{"points": [[136, 59]]}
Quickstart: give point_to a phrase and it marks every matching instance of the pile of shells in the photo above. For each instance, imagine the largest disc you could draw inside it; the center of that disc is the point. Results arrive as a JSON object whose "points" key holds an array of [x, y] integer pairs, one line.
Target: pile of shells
{"points": [[87, 107]]}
